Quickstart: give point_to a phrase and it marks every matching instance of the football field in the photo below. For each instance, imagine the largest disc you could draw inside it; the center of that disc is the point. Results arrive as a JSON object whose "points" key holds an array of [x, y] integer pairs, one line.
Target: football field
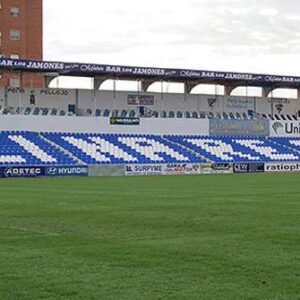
{"points": [[177, 237]]}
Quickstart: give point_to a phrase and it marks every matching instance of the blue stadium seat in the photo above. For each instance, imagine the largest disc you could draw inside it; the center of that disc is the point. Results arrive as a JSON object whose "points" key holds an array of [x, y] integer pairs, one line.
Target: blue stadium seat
{"points": [[106, 113], [30, 148], [237, 149], [195, 115], [53, 112], [98, 112], [171, 114], [179, 114]]}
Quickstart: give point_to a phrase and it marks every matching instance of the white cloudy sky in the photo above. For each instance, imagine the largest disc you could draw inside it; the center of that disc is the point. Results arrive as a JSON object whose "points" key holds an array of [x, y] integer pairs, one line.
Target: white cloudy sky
{"points": [[261, 36]]}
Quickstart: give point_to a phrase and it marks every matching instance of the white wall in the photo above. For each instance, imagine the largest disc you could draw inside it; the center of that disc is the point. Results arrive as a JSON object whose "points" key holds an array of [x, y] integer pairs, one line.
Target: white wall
{"points": [[277, 106], [51, 98], [60, 98], [101, 125]]}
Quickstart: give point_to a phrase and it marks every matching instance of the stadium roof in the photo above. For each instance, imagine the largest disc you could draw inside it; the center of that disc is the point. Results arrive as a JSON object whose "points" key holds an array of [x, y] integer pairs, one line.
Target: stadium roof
{"points": [[191, 77]]}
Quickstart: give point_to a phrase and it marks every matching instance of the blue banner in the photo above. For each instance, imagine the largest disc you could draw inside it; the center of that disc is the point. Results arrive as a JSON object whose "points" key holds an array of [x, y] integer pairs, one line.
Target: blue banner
{"points": [[239, 127], [15, 172], [58, 171], [75, 69]]}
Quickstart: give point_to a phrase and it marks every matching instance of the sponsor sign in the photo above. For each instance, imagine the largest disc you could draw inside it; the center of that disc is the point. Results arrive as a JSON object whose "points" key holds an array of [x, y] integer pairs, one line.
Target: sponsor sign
{"points": [[241, 168], [124, 121], [284, 129], [282, 167], [221, 167], [47, 92], [170, 169], [96, 69], [256, 168], [66, 171], [178, 169], [140, 100], [248, 167], [150, 169], [239, 127], [13, 172], [212, 102], [239, 104], [215, 168]]}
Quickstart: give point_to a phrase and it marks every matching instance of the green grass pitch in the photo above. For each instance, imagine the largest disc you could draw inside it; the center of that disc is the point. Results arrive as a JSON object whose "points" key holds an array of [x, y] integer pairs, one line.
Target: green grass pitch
{"points": [[177, 237]]}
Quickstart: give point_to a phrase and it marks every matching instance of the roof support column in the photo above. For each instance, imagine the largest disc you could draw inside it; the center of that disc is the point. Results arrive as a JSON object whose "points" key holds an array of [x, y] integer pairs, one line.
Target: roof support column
{"points": [[228, 89], [49, 77], [266, 91], [145, 83], [98, 81], [188, 86]]}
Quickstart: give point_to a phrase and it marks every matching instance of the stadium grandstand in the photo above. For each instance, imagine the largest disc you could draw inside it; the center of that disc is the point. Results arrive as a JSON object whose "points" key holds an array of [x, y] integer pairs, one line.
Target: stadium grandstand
{"points": [[52, 127]]}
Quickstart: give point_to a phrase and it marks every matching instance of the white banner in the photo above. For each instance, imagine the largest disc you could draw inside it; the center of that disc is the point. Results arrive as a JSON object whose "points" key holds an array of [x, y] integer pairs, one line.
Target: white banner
{"points": [[151, 169], [282, 167], [178, 169]]}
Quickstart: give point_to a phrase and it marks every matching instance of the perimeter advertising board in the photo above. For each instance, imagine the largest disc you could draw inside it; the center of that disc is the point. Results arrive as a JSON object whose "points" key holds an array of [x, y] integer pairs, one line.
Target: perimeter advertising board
{"points": [[35, 171], [248, 167], [178, 169], [216, 168], [284, 129], [151, 169], [181, 169], [64, 171], [22, 172], [282, 167]]}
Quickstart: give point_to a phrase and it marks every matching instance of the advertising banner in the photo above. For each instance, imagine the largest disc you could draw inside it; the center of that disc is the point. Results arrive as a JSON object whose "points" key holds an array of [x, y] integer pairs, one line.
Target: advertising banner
{"points": [[248, 167], [240, 168], [282, 167], [150, 169], [124, 121], [71, 68], [284, 129], [182, 169], [178, 169], [66, 171], [256, 168], [140, 100], [15, 172], [239, 127], [216, 168], [235, 104]]}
